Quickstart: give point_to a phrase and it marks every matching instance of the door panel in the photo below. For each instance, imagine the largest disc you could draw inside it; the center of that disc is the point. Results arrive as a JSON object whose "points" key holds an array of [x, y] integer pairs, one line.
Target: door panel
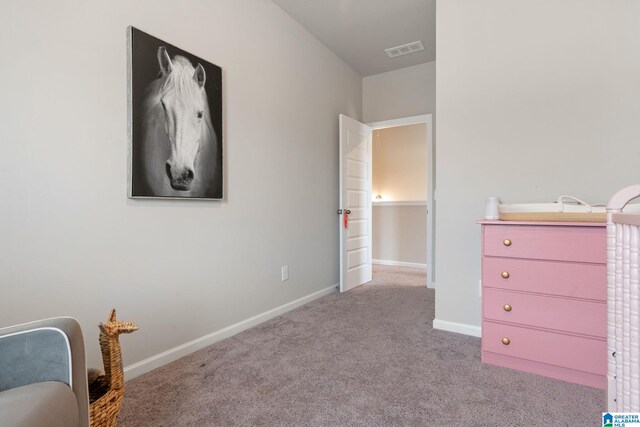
{"points": [[355, 198]]}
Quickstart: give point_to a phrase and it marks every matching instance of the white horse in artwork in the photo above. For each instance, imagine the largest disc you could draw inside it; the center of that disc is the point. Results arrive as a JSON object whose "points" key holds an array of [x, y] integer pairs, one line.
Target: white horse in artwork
{"points": [[178, 145]]}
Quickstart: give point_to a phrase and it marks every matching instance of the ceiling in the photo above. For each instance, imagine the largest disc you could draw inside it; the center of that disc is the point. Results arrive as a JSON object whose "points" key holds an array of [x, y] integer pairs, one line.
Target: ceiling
{"points": [[359, 31]]}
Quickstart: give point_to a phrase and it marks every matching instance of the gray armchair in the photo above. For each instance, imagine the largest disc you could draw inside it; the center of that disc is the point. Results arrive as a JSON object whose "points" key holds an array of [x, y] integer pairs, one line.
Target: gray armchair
{"points": [[43, 376]]}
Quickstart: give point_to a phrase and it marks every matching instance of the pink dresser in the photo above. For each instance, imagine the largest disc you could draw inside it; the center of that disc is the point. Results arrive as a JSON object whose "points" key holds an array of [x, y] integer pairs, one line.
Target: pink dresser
{"points": [[544, 305]]}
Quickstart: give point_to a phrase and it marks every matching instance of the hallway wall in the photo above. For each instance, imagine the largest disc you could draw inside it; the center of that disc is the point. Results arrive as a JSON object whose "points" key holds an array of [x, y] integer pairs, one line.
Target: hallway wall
{"points": [[400, 234], [399, 176]]}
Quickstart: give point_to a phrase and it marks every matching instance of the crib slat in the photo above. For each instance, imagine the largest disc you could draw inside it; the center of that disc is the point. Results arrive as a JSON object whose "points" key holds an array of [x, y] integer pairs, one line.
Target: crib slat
{"points": [[611, 315], [634, 320], [626, 315], [618, 317]]}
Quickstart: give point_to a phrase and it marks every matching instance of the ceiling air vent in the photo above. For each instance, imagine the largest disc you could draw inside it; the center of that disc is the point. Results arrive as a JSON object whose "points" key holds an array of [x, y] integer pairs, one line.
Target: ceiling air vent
{"points": [[404, 49]]}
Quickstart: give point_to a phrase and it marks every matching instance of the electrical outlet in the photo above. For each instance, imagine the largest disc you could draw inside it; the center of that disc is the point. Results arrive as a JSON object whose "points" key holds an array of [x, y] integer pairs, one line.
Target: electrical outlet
{"points": [[285, 272]]}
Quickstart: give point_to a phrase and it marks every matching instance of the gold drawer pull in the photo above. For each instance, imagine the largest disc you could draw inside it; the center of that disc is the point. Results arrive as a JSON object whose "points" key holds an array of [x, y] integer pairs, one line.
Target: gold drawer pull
{"points": [[507, 307], [506, 242], [506, 341], [505, 274]]}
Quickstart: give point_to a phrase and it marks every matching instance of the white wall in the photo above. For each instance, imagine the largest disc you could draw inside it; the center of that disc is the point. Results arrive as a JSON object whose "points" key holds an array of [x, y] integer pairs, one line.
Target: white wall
{"points": [[400, 162], [535, 99], [400, 233], [401, 93], [73, 244]]}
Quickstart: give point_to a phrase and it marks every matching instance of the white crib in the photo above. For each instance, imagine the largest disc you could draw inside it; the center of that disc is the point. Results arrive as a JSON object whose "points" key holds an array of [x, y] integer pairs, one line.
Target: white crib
{"points": [[623, 303]]}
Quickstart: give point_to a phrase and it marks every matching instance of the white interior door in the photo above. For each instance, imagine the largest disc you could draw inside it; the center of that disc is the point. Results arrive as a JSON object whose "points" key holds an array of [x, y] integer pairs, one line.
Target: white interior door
{"points": [[355, 203]]}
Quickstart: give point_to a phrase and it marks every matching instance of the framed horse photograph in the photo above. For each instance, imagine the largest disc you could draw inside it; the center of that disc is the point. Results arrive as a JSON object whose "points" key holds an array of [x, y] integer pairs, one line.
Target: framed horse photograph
{"points": [[175, 121]]}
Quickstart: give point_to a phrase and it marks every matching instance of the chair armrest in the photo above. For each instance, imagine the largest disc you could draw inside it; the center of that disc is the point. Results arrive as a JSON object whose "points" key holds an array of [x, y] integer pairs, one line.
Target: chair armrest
{"points": [[46, 350]]}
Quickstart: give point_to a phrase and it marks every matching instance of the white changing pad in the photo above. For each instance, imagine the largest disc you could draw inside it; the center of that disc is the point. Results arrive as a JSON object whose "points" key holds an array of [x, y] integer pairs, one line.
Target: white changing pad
{"points": [[565, 209]]}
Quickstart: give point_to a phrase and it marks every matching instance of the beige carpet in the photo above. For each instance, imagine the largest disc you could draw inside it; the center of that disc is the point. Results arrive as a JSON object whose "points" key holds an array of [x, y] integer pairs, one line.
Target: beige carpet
{"points": [[365, 358], [396, 276]]}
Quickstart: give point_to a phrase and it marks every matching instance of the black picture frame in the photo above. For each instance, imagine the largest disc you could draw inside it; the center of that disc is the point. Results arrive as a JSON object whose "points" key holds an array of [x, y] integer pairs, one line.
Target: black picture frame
{"points": [[175, 121]]}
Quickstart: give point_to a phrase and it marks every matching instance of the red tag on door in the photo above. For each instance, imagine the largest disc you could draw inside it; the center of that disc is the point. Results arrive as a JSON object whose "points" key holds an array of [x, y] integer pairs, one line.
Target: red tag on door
{"points": [[345, 219]]}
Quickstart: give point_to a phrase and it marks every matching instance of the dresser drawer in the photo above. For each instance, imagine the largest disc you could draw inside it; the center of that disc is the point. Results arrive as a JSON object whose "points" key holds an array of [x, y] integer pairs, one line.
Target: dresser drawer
{"points": [[582, 354], [546, 277], [582, 244], [577, 316]]}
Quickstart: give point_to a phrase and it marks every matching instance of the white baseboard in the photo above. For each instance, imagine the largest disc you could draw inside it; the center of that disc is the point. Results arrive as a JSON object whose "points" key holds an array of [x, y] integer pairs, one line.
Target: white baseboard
{"points": [[182, 350], [399, 263], [460, 328]]}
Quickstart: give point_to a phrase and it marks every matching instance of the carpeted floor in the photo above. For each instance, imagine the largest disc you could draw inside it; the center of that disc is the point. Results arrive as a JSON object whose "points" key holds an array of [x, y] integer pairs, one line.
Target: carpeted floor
{"points": [[365, 358]]}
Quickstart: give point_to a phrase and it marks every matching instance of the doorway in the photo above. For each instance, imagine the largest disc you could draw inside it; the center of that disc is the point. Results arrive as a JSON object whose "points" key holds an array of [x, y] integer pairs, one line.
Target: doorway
{"points": [[402, 196]]}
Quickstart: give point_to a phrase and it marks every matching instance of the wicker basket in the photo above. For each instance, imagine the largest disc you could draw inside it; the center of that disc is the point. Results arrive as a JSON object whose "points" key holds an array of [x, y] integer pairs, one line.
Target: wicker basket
{"points": [[106, 391]]}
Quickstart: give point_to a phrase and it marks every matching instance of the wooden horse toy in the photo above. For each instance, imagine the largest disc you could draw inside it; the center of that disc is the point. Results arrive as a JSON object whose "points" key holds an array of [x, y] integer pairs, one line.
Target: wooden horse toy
{"points": [[106, 390]]}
